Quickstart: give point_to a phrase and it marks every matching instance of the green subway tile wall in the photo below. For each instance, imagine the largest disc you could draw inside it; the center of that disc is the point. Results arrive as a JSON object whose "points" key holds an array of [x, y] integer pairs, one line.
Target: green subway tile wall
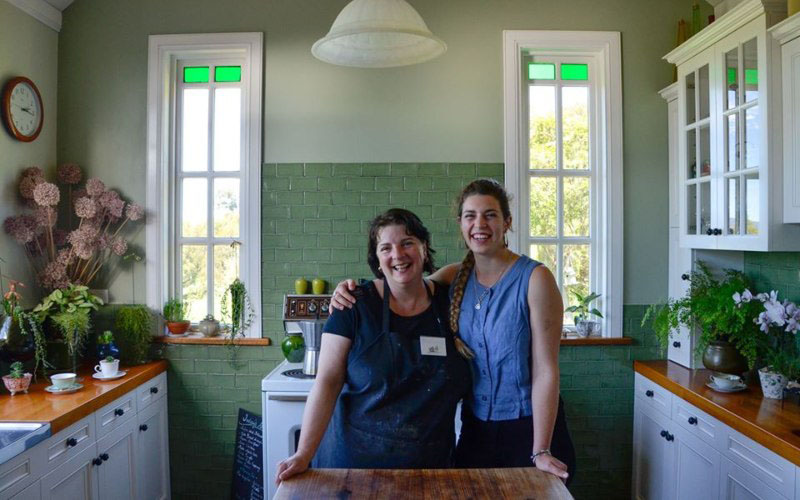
{"points": [[314, 222], [774, 271]]}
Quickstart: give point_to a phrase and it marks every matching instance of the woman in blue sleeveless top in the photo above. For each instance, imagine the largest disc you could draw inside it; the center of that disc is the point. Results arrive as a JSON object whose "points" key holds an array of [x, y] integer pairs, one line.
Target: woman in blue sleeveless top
{"points": [[508, 314]]}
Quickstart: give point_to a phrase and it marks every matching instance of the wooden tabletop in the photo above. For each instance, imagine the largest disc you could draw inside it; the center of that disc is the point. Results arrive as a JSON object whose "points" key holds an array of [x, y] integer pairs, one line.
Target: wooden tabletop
{"points": [[61, 410], [423, 484], [763, 420]]}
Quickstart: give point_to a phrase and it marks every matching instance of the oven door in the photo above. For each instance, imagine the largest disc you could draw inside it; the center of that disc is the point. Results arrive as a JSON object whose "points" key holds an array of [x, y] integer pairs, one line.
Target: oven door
{"points": [[283, 413]]}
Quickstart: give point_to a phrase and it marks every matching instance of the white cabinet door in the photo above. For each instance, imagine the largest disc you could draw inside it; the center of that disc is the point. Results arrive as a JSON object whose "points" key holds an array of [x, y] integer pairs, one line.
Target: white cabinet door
{"points": [[696, 466], [790, 54], [738, 484], [653, 454], [116, 476], [32, 492], [152, 452], [75, 479]]}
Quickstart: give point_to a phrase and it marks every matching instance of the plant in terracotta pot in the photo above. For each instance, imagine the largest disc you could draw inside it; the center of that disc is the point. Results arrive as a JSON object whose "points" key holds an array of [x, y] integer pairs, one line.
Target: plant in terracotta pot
{"points": [[175, 312], [17, 381], [778, 350], [583, 325], [728, 338]]}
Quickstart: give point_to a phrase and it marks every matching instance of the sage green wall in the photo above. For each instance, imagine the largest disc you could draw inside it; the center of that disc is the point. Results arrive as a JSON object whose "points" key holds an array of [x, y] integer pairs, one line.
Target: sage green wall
{"points": [[27, 48], [447, 110]]}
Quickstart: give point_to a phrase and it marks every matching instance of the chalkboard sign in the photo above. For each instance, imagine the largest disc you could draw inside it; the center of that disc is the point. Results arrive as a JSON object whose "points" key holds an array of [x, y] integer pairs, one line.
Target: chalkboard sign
{"points": [[248, 476]]}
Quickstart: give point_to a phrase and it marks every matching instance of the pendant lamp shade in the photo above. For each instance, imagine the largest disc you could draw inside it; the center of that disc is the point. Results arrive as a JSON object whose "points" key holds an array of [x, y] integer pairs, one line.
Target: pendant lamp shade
{"points": [[378, 34]]}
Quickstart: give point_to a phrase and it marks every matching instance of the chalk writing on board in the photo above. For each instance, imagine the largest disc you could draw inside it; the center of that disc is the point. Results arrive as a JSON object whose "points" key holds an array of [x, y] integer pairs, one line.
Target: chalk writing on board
{"points": [[248, 477]]}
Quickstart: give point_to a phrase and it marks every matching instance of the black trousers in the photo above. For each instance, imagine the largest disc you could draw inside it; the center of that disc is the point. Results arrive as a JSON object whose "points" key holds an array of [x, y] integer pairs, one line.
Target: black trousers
{"points": [[509, 443]]}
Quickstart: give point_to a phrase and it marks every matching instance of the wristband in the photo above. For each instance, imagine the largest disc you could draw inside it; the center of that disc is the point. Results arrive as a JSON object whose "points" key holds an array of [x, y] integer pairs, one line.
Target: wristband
{"points": [[540, 452]]}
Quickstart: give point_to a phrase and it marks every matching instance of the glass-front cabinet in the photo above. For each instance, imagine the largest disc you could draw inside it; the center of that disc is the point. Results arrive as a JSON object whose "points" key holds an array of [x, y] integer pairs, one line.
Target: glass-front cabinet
{"points": [[730, 189]]}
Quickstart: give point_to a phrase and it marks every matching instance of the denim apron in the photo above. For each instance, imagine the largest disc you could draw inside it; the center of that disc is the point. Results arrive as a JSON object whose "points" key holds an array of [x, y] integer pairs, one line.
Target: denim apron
{"points": [[399, 406]]}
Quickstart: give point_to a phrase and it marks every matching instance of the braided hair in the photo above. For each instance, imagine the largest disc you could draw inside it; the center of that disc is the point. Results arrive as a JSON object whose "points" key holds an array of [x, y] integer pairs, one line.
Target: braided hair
{"points": [[489, 187]]}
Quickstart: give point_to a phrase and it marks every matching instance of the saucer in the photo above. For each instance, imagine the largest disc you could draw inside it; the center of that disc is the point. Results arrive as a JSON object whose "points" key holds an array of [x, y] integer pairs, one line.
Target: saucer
{"points": [[99, 376], [67, 390], [736, 388]]}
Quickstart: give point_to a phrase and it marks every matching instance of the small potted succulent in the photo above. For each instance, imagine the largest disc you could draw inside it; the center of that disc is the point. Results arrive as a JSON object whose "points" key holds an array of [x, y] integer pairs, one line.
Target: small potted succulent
{"points": [[583, 325], [175, 312], [17, 381]]}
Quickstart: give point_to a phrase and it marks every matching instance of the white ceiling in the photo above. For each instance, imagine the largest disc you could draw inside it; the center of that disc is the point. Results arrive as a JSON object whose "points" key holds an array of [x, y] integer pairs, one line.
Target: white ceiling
{"points": [[59, 4], [46, 11]]}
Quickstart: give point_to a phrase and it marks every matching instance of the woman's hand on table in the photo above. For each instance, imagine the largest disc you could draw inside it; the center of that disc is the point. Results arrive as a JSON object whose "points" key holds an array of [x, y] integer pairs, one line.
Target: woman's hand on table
{"points": [[342, 298], [551, 464], [291, 466]]}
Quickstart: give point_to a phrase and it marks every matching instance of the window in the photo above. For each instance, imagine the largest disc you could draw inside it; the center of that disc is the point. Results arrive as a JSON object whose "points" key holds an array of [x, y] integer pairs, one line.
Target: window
{"points": [[204, 138], [563, 149]]}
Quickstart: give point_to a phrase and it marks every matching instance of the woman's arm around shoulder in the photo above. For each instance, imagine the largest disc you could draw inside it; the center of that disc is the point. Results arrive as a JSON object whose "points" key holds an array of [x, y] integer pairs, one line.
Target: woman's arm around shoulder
{"points": [[445, 275]]}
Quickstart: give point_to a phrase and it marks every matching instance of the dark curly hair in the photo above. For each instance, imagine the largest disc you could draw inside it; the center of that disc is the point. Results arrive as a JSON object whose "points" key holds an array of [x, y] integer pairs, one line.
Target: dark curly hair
{"points": [[414, 227]]}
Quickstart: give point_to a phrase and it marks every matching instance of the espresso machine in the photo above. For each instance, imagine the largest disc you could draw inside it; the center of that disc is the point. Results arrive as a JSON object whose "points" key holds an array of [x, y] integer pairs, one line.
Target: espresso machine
{"points": [[306, 315]]}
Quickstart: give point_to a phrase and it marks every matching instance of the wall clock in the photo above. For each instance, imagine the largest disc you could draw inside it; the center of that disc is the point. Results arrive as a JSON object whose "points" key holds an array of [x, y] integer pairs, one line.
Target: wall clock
{"points": [[23, 113]]}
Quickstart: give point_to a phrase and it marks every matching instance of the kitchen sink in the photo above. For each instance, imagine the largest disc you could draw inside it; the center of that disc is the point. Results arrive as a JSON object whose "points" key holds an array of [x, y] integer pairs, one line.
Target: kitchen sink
{"points": [[16, 437]]}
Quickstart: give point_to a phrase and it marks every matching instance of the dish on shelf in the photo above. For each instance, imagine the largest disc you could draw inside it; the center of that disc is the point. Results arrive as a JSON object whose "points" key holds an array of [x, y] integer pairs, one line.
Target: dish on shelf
{"points": [[100, 376], [66, 390], [735, 388]]}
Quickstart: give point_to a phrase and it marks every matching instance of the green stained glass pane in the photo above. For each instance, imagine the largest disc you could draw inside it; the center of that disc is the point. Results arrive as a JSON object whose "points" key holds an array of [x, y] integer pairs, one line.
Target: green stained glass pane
{"points": [[731, 76], [751, 76], [541, 71], [574, 71], [228, 74], [195, 74]]}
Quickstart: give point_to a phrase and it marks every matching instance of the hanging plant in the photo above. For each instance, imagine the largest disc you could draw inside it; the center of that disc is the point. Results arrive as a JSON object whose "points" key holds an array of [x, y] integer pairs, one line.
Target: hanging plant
{"points": [[238, 310]]}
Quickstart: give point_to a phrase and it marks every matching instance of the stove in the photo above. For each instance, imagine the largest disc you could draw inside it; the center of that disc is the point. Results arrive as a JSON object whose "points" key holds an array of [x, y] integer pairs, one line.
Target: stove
{"points": [[283, 397]]}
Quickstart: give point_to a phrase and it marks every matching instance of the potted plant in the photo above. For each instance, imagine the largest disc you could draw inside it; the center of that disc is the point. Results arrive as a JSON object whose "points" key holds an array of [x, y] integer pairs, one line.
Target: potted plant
{"points": [[17, 381], [728, 338], [68, 311], [583, 325], [133, 325], [778, 350], [175, 312], [106, 345]]}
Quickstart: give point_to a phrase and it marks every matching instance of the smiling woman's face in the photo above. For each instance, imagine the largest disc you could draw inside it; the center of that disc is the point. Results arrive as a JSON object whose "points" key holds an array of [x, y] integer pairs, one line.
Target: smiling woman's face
{"points": [[482, 224], [401, 256]]}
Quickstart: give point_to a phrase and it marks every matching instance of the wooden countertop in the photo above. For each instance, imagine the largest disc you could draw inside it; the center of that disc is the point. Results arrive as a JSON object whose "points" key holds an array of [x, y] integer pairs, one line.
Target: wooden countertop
{"points": [[61, 410], [423, 484], [749, 412]]}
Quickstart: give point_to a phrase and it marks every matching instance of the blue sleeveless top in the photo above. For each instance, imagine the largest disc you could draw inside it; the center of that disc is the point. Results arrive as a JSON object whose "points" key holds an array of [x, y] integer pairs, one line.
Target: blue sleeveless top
{"points": [[500, 335]]}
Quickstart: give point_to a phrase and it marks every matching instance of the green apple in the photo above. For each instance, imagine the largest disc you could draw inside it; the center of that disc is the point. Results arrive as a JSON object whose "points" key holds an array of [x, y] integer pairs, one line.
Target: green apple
{"points": [[293, 348], [301, 286], [318, 286]]}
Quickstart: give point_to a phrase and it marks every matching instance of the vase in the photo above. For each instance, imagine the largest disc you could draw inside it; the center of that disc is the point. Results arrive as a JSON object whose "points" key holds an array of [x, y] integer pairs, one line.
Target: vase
{"points": [[15, 385], [772, 384], [587, 328], [106, 350], [721, 356]]}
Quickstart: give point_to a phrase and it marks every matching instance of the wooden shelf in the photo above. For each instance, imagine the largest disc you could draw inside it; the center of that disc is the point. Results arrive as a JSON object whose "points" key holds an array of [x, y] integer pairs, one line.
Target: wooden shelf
{"points": [[576, 341], [769, 422], [199, 339]]}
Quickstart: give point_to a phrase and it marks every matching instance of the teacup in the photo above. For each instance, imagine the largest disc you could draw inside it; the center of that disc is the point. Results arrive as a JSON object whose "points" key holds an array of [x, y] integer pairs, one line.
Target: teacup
{"points": [[726, 380], [63, 380], [107, 368]]}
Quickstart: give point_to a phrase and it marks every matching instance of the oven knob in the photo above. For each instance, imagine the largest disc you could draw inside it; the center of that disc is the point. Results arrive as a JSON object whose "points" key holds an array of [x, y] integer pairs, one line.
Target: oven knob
{"points": [[324, 307], [312, 307]]}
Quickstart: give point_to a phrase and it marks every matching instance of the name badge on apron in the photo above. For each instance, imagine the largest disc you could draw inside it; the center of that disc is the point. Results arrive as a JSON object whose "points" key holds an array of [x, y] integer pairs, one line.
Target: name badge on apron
{"points": [[432, 346]]}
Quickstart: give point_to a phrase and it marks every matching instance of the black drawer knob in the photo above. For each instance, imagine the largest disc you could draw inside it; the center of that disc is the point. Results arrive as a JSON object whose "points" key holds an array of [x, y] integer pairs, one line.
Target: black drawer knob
{"points": [[97, 461], [670, 437], [104, 456], [717, 231], [663, 433], [676, 344], [709, 231], [119, 412], [649, 393], [693, 420], [143, 427], [154, 390], [71, 442], [685, 277]]}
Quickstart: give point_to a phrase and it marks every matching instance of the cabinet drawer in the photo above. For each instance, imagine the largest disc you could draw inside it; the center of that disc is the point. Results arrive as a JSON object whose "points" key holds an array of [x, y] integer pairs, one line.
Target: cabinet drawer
{"points": [[21, 471], [116, 413], [653, 394], [698, 423], [152, 390], [774, 471], [69, 442]]}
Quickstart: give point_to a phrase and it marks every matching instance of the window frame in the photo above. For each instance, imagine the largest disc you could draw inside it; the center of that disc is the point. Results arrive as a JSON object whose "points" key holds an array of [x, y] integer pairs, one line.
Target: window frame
{"points": [[164, 54], [602, 48]]}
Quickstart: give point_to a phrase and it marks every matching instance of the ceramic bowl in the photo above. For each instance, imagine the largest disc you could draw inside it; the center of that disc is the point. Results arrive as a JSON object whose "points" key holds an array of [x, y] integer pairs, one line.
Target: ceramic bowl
{"points": [[63, 380], [725, 380]]}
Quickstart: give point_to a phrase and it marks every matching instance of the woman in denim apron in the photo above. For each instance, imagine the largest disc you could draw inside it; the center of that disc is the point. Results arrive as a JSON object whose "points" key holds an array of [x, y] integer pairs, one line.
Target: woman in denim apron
{"points": [[507, 312], [389, 374]]}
